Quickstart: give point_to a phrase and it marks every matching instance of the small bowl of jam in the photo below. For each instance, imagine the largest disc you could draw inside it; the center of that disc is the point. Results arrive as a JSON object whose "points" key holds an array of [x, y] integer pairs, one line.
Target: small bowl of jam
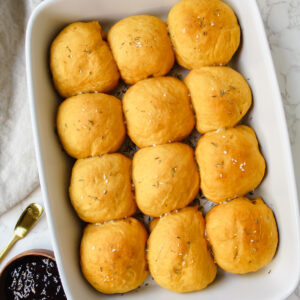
{"points": [[31, 275]]}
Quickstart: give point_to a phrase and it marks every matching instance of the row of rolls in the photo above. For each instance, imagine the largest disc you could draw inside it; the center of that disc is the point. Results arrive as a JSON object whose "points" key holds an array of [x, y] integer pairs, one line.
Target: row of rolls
{"points": [[183, 249]]}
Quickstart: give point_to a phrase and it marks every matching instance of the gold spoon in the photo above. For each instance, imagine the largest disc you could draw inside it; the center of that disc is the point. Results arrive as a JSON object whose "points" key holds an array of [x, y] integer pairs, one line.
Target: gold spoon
{"points": [[26, 221]]}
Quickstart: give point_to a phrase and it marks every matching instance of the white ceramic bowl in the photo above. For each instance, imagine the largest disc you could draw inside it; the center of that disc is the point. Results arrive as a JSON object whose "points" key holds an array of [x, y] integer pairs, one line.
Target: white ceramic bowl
{"points": [[278, 189]]}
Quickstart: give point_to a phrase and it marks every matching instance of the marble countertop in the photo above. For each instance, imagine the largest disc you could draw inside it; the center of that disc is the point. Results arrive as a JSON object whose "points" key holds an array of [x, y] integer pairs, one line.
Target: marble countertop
{"points": [[282, 24]]}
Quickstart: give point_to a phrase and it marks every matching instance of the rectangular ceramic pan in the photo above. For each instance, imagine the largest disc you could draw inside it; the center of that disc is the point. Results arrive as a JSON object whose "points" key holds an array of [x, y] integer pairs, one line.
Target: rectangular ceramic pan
{"points": [[278, 189]]}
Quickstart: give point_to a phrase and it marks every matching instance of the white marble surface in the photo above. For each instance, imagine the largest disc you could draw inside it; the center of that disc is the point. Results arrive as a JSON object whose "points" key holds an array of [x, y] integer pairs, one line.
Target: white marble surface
{"points": [[282, 23]]}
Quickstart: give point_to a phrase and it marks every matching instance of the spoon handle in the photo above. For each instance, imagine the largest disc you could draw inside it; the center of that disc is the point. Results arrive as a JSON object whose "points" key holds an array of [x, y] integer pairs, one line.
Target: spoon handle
{"points": [[9, 246]]}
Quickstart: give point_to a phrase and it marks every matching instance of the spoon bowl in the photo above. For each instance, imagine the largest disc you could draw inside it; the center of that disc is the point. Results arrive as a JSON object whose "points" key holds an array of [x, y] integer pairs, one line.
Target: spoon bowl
{"points": [[26, 221]]}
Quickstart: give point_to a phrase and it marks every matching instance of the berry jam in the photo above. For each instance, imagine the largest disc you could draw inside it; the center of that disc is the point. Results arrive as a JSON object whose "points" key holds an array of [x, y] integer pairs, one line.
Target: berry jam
{"points": [[33, 277]]}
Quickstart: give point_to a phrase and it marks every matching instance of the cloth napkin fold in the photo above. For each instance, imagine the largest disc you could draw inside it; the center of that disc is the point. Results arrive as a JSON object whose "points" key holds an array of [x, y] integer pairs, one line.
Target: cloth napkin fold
{"points": [[18, 170]]}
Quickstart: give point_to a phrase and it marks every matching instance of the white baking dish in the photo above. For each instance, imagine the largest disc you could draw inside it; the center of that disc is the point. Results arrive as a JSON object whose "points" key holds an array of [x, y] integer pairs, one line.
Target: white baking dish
{"points": [[278, 189]]}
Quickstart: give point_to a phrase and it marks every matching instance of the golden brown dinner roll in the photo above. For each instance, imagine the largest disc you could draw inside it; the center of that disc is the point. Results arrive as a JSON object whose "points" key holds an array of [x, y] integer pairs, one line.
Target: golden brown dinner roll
{"points": [[158, 111], [113, 256], [230, 163], [220, 97], [100, 188], [165, 178], [178, 256], [141, 47], [81, 61], [90, 125], [243, 235], [153, 223], [203, 32]]}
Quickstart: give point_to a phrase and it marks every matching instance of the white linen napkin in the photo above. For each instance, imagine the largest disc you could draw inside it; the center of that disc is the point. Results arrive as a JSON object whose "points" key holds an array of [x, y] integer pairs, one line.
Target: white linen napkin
{"points": [[18, 171]]}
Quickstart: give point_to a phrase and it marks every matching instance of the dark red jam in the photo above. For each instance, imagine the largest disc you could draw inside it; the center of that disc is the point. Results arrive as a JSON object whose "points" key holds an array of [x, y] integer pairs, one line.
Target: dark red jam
{"points": [[33, 277]]}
